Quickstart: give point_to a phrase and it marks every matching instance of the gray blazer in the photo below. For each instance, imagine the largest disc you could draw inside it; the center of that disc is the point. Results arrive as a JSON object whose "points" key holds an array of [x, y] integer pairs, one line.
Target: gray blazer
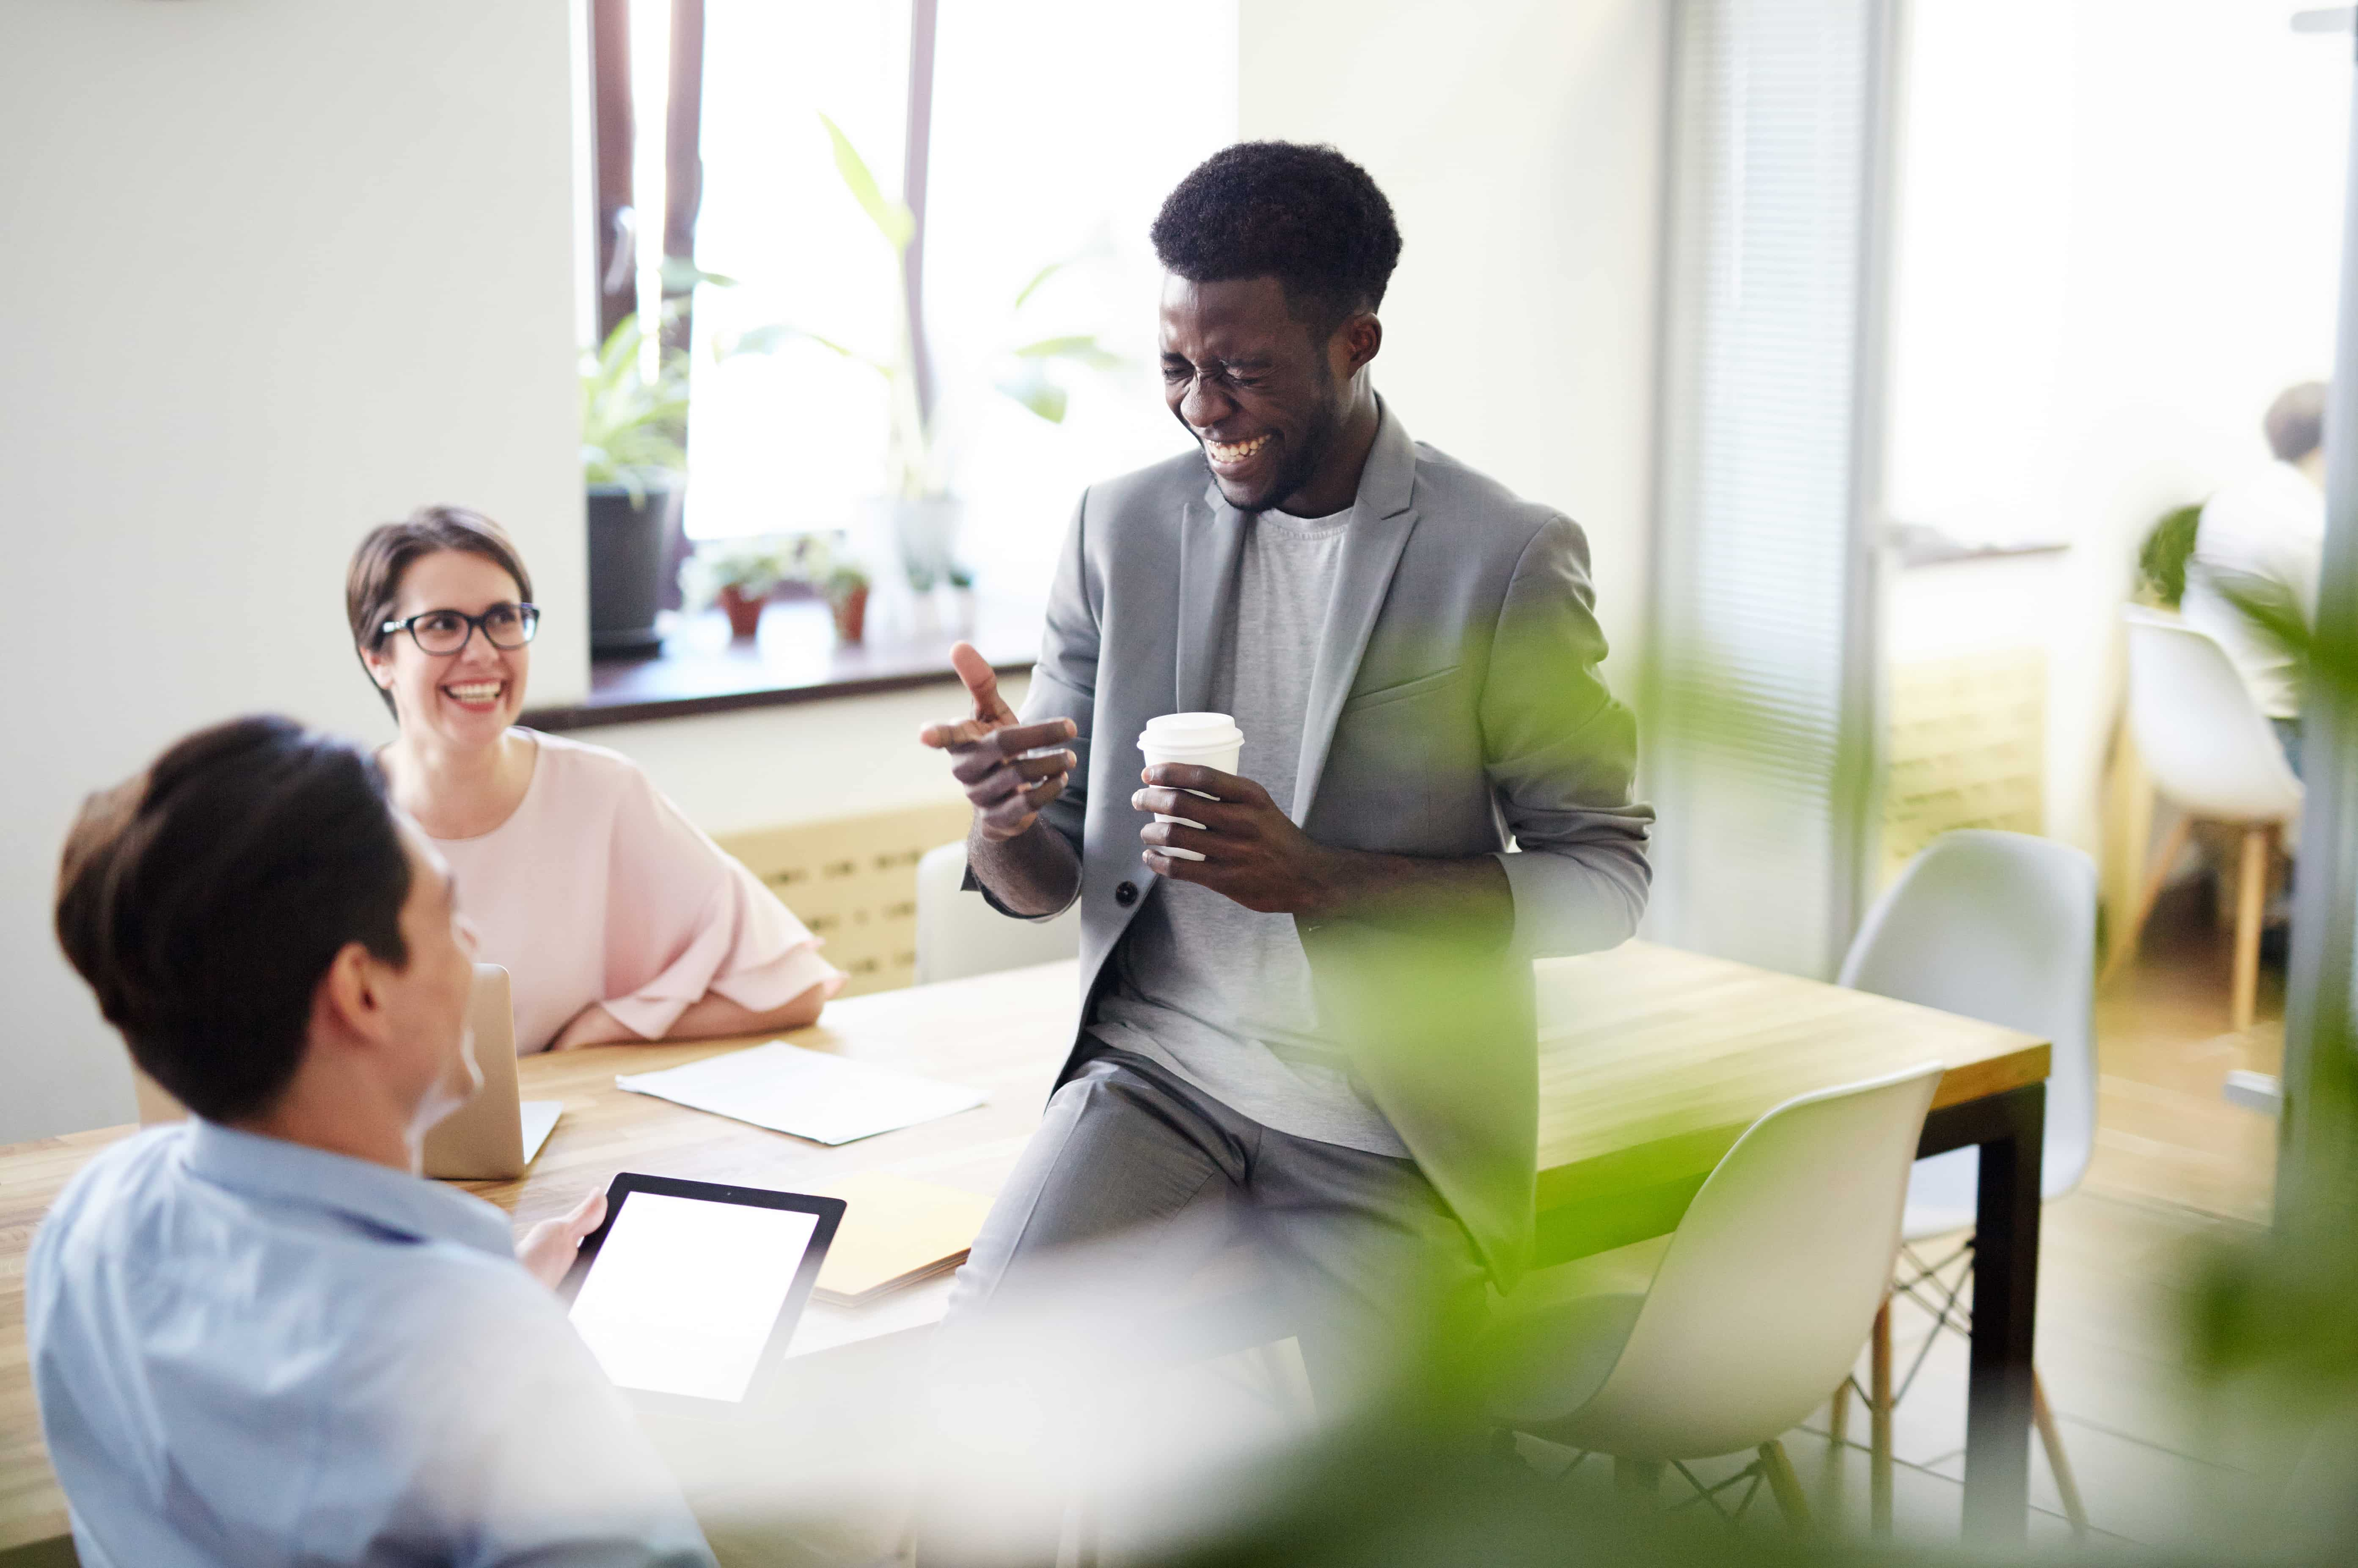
{"points": [[1455, 708]]}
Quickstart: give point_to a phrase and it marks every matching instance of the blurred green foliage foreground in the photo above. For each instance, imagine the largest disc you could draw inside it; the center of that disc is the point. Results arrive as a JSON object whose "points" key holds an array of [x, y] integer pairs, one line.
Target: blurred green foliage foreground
{"points": [[2272, 1327]]}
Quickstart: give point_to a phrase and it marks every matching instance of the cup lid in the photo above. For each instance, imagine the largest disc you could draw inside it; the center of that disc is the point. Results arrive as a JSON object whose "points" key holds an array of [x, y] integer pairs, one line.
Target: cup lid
{"points": [[1188, 731]]}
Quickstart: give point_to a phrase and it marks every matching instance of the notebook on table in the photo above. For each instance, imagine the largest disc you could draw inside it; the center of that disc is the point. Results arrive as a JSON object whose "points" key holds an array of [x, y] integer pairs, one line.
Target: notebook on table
{"points": [[896, 1232]]}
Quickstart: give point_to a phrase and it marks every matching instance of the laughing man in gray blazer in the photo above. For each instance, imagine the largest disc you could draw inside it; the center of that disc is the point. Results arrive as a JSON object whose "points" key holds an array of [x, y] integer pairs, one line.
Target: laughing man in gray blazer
{"points": [[1320, 1034]]}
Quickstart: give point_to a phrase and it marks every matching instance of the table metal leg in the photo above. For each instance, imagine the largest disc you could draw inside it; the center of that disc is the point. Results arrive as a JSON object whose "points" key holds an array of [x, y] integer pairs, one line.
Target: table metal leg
{"points": [[2011, 1129]]}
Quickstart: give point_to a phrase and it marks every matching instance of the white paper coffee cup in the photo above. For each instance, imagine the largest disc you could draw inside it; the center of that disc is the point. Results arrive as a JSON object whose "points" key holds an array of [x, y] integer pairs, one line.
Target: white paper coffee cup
{"points": [[1201, 739]]}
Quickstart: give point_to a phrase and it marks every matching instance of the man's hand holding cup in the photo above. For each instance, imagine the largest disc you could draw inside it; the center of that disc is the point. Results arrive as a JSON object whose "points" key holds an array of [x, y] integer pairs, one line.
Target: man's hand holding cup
{"points": [[1216, 827], [1010, 770]]}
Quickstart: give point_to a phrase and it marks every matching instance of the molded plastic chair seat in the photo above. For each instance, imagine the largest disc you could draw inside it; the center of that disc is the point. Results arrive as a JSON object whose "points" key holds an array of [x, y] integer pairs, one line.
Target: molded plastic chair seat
{"points": [[1567, 1326], [2002, 928], [1726, 1334], [959, 935], [2211, 751], [2214, 756]]}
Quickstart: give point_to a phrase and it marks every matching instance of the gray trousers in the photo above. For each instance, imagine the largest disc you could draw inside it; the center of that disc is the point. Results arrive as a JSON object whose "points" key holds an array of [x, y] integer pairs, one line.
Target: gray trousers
{"points": [[1153, 1178]]}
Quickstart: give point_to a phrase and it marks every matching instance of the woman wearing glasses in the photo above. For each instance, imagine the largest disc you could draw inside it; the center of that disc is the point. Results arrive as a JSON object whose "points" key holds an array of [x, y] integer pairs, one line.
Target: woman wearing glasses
{"points": [[615, 918]]}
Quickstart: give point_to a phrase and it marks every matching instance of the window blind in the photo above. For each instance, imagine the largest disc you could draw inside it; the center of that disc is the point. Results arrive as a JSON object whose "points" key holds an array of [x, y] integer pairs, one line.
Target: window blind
{"points": [[1761, 688]]}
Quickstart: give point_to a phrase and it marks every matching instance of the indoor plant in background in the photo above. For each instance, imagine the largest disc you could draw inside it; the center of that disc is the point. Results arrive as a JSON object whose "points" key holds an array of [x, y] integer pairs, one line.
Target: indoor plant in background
{"points": [[914, 523], [740, 576], [846, 590], [634, 465], [832, 574]]}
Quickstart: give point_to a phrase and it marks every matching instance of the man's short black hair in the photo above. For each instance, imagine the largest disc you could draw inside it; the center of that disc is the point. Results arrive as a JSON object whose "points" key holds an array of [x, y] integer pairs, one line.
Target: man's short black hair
{"points": [[204, 899], [2296, 421], [1305, 215]]}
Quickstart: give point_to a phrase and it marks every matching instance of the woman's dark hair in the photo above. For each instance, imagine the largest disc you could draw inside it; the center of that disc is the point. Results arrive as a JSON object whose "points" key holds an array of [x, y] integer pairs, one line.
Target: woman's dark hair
{"points": [[372, 582], [1305, 215], [204, 899]]}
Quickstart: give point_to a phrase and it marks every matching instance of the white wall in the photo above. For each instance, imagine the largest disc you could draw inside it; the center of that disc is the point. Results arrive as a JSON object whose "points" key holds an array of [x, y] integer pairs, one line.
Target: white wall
{"points": [[2106, 271], [1520, 142], [275, 271], [810, 761]]}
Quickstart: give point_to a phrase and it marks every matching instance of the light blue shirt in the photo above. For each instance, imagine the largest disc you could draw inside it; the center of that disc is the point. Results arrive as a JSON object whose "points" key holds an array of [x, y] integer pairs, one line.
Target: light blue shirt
{"points": [[251, 1353]]}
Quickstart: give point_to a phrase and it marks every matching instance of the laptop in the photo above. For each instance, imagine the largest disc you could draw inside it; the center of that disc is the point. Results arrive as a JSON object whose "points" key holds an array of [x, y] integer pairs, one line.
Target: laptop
{"points": [[491, 1138], [497, 1132]]}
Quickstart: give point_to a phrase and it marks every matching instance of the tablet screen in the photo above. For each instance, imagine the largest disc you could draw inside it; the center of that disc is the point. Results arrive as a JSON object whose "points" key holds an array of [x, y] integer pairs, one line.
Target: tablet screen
{"points": [[684, 1293]]}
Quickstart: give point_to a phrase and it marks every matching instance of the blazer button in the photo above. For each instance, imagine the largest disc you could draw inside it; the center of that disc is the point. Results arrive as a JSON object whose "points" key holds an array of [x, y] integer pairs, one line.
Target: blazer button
{"points": [[1126, 894]]}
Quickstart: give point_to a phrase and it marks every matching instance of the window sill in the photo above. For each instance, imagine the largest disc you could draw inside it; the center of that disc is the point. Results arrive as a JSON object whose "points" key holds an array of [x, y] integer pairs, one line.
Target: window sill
{"points": [[794, 658]]}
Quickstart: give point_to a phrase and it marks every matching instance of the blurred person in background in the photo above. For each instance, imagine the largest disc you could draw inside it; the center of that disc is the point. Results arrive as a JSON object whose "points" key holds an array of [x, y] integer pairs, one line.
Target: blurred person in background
{"points": [[2257, 552], [257, 1336], [616, 919], [1316, 1034]]}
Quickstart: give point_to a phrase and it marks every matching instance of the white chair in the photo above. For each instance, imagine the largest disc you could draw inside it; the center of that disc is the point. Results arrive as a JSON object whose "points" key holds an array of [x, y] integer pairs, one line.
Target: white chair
{"points": [[1760, 1298], [2002, 928], [959, 935], [2214, 756]]}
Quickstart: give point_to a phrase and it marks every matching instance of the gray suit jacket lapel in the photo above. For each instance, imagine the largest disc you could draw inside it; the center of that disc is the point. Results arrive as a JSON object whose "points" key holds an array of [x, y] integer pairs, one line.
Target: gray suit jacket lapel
{"points": [[1382, 517], [1211, 536]]}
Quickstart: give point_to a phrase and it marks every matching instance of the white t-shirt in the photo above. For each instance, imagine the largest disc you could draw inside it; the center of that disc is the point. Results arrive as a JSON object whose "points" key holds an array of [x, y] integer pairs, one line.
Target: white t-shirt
{"points": [[1214, 992], [2262, 536]]}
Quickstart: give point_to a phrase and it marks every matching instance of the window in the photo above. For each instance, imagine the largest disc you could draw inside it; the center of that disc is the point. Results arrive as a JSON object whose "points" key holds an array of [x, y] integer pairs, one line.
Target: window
{"points": [[1054, 132]]}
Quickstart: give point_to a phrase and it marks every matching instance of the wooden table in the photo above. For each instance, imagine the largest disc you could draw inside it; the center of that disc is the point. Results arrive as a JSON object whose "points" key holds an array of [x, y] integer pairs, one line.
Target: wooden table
{"points": [[1651, 1062]]}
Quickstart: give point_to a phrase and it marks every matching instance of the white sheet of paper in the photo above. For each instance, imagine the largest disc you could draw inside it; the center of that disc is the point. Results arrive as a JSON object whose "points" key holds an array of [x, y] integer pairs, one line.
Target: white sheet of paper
{"points": [[809, 1094], [684, 1293]]}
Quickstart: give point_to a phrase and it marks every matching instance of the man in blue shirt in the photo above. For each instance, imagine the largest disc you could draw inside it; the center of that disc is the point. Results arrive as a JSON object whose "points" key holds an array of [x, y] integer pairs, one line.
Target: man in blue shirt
{"points": [[258, 1337]]}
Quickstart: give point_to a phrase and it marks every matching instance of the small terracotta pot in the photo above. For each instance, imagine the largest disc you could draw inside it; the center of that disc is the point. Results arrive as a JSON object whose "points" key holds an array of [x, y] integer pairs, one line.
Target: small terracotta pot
{"points": [[744, 613], [850, 613]]}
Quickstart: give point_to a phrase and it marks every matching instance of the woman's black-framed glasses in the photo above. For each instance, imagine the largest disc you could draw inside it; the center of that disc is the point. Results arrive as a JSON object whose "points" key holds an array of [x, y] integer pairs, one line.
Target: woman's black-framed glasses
{"points": [[441, 632]]}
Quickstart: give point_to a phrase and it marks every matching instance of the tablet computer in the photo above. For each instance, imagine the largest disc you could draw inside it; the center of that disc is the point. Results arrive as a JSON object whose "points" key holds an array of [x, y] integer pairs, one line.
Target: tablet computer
{"points": [[688, 1294]]}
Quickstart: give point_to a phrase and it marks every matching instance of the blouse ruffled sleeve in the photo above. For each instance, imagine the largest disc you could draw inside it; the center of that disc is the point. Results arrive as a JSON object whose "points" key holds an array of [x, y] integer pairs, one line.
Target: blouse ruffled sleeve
{"points": [[685, 919]]}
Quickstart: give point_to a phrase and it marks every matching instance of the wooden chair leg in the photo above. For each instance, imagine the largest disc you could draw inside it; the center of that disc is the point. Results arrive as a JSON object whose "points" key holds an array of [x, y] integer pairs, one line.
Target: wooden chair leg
{"points": [[1838, 1414], [2125, 945], [2251, 907], [1785, 1485], [1879, 1410], [2051, 1437]]}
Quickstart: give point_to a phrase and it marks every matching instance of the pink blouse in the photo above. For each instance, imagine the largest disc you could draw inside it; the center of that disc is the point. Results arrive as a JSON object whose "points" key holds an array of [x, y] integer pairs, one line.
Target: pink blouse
{"points": [[597, 889]]}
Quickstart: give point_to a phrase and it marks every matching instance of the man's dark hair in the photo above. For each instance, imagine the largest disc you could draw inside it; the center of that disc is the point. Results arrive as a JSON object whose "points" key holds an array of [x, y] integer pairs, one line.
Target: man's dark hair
{"points": [[2296, 421], [204, 899], [1305, 215]]}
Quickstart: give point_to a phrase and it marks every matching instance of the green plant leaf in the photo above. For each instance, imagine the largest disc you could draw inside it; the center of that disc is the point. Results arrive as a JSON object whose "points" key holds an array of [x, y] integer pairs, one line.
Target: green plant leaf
{"points": [[621, 349], [893, 220], [681, 275], [1041, 396], [1081, 348], [632, 426], [769, 338], [1042, 275], [763, 340]]}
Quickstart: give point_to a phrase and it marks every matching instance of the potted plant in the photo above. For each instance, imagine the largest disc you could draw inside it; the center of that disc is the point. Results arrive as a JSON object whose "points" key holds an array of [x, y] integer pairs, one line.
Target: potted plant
{"points": [[846, 589], [814, 561], [632, 464], [914, 523], [739, 574]]}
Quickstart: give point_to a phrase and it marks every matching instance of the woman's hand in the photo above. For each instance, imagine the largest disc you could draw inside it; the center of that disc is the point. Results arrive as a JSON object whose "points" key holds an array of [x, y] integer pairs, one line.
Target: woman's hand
{"points": [[548, 1249]]}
